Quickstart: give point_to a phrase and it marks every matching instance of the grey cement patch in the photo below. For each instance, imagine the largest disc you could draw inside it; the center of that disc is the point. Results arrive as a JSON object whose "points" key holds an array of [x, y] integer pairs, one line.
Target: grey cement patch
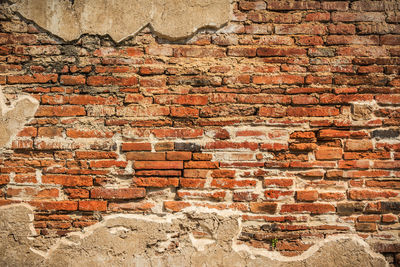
{"points": [[15, 116], [150, 240], [171, 19]]}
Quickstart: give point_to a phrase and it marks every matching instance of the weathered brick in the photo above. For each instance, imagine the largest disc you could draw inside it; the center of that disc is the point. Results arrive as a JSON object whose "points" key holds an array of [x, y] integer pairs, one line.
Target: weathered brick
{"points": [[313, 208], [158, 165], [328, 153], [263, 207], [92, 205], [120, 193]]}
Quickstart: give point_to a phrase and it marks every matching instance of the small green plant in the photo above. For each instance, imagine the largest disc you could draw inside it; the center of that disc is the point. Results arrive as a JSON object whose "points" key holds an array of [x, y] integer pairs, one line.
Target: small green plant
{"points": [[273, 243]]}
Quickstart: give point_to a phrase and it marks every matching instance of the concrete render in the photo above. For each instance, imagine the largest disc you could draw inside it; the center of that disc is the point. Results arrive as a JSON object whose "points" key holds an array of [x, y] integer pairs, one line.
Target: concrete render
{"points": [[171, 19], [13, 117], [151, 240]]}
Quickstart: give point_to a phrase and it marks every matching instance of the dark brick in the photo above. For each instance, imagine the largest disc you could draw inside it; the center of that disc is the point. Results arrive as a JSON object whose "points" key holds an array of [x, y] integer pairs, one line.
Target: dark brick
{"points": [[187, 147], [389, 133], [348, 208], [390, 206]]}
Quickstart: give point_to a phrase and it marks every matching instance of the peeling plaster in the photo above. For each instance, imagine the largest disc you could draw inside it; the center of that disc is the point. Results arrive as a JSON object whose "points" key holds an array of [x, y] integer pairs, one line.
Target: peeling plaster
{"points": [[165, 240], [13, 117], [170, 19]]}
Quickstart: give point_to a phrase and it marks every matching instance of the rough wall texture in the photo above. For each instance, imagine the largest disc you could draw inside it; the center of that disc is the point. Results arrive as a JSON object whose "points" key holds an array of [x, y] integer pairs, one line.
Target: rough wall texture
{"points": [[282, 126]]}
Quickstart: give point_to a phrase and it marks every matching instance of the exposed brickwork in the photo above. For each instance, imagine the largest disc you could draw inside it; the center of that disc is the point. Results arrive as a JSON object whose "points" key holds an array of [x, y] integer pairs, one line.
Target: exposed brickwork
{"points": [[289, 115]]}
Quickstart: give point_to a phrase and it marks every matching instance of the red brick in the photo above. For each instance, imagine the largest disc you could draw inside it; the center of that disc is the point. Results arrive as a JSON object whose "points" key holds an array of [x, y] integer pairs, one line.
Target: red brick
{"points": [[231, 183], [72, 80], [175, 206], [50, 131], [4, 179], [95, 155], [263, 207], [306, 28], [278, 52], [199, 52], [55, 205], [201, 156], [329, 134], [352, 40], [192, 100], [91, 100], [184, 112], [158, 165], [120, 193], [358, 16], [280, 79], [195, 173], [390, 39], [158, 173], [67, 180], [28, 132], [108, 80], [386, 99], [278, 182], [369, 218], [302, 135], [145, 156], [332, 196], [328, 153], [274, 147], [311, 195], [93, 205], [358, 145], [192, 183], [370, 194], [257, 5], [313, 208], [185, 133], [335, 5], [312, 111], [136, 147], [277, 194], [201, 165], [318, 16], [342, 28], [274, 112], [108, 164], [366, 227], [310, 40], [293, 5], [242, 51], [179, 155], [35, 78], [232, 145], [74, 193], [302, 146], [223, 174], [87, 133], [60, 111], [164, 146], [389, 218]]}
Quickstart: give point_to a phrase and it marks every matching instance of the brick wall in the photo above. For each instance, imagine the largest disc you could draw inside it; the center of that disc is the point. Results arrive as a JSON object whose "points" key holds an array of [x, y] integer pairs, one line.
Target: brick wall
{"points": [[289, 116]]}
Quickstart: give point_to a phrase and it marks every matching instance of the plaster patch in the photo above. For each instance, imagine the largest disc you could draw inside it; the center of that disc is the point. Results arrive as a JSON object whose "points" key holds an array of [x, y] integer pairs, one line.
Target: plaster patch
{"points": [[13, 117], [135, 240], [171, 19]]}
